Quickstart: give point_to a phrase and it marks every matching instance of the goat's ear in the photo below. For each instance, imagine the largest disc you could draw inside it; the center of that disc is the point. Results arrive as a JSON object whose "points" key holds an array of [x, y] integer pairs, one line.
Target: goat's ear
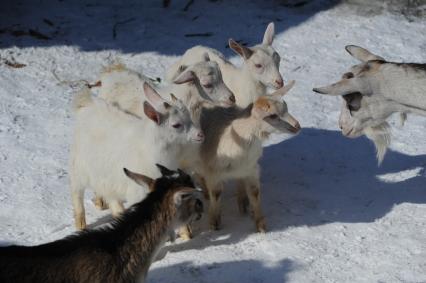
{"points": [[240, 49], [184, 77], [164, 170], [342, 87], [151, 113], [362, 54], [268, 37], [285, 89], [261, 108], [140, 179], [182, 195], [154, 98]]}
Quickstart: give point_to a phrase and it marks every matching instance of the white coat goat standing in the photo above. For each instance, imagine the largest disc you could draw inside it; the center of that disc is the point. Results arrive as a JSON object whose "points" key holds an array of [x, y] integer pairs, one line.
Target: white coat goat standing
{"points": [[106, 139]]}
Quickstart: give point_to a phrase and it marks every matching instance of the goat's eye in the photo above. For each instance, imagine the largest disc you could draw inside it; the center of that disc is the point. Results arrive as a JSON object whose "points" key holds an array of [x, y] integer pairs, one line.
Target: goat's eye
{"points": [[348, 75], [208, 85], [258, 66], [177, 126], [273, 116]]}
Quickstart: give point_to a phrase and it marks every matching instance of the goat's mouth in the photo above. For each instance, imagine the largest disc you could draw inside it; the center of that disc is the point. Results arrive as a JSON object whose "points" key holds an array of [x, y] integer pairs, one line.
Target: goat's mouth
{"points": [[350, 133], [292, 129]]}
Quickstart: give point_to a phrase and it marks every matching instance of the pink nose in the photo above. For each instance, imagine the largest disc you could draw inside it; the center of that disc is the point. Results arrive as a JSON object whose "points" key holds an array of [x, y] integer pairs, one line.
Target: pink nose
{"points": [[280, 83], [200, 136]]}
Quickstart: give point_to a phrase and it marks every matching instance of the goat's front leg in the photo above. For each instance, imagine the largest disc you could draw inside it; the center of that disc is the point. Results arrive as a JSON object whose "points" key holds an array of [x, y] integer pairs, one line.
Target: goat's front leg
{"points": [[100, 203], [215, 190], [78, 204], [116, 207], [253, 193]]}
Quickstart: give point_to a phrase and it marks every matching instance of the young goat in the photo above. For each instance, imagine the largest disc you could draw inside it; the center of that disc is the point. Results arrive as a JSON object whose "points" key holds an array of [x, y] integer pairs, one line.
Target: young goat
{"points": [[233, 146], [121, 252], [260, 69], [200, 81], [107, 139], [374, 90]]}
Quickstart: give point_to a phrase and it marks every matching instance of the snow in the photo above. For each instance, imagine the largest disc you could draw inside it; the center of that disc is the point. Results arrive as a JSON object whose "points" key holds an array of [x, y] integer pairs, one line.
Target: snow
{"points": [[332, 214]]}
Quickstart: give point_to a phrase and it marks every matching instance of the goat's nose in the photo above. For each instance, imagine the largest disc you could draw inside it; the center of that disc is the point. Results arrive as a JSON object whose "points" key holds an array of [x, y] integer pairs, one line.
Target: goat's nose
{"points": [[200, 136], [280, 83], [232, 98]]}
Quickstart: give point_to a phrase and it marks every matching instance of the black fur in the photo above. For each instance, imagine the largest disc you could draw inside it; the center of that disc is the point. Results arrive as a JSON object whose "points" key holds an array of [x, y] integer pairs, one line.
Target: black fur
{"points": [[113, 254]]}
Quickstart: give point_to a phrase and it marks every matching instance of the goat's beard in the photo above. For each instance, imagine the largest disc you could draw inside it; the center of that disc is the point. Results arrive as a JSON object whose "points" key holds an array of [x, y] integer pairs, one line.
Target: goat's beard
{"points": [[381, 137]]}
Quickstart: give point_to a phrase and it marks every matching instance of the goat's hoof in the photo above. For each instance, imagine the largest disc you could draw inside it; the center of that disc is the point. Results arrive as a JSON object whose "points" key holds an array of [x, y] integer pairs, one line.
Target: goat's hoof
{"points": [[243, 206], [215, 224], [261, 226], [80, 223], [100, 203]]}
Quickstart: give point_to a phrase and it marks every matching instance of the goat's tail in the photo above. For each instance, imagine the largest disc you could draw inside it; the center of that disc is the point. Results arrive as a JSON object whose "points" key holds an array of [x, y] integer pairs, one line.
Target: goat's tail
{"points": [[83, 98]]}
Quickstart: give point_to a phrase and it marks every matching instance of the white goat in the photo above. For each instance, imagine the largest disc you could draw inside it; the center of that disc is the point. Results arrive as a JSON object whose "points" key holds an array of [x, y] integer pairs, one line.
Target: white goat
{"points": [[375, 89], [107, 139], [233, 146], [259, 71], [198, 82]]}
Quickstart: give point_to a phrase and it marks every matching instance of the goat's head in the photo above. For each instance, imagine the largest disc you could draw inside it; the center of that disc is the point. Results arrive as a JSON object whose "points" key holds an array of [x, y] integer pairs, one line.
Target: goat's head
{"points": [[272, 111], [363, 110], [262, 61], [179, 192], [207, 76], [172, 115]]}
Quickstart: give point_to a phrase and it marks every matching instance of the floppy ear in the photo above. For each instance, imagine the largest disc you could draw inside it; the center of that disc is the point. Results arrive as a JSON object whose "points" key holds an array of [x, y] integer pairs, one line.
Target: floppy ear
{"points": [[139, 178], [268, 37], [342, 87], [282, 91], [240, 49], [362, 54], [164, 170], [184, 77]]}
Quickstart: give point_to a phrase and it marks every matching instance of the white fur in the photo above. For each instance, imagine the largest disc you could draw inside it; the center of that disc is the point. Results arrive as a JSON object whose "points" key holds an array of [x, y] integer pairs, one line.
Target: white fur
{"points": [[123, 86], [247, 83], [233, 146], [107, 139]]}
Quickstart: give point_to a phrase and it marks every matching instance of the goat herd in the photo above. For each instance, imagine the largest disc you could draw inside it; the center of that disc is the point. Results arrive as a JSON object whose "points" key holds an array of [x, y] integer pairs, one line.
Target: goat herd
{"points": [[209, 119]]}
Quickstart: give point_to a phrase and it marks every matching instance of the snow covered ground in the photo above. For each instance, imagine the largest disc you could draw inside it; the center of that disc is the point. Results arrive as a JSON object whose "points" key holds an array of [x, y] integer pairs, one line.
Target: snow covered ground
{"points": [[333, 215]]}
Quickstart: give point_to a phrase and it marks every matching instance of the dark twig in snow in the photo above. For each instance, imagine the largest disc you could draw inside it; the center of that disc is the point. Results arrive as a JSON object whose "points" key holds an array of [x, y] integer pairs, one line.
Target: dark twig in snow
{"points": [[114, 28]]}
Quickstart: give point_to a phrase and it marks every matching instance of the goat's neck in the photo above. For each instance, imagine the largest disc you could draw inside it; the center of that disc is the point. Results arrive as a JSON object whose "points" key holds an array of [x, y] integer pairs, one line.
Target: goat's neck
{"points": [[404, 84], [241, 82], [245, 131], [144, 238]]}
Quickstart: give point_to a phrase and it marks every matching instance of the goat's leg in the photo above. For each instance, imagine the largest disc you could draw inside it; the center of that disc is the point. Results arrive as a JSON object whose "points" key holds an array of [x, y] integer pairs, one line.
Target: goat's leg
{"points": [[100, 203], [77, 196], [253, 193], [116, 207], [215, 190], [242, 199]]}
